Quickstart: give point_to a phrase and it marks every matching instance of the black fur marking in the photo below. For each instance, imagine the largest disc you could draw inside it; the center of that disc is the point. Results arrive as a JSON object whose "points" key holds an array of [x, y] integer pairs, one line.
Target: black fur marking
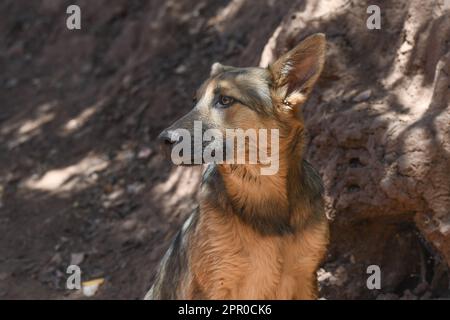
{"points": [[174, 265]]}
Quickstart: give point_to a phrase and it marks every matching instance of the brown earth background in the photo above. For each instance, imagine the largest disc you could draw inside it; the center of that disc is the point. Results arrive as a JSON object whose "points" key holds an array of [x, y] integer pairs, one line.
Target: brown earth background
{"points": [[82, 181]]}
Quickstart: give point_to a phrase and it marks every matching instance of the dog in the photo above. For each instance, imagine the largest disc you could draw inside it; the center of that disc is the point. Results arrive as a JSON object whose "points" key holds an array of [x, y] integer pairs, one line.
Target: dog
{"points": [[253, 236]]}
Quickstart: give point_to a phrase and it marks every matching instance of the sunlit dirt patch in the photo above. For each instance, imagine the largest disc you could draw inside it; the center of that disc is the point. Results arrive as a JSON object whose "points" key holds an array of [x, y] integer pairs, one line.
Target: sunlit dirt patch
{"points": [[20, 132], [181, 184], [77, 176], [81, 119]]}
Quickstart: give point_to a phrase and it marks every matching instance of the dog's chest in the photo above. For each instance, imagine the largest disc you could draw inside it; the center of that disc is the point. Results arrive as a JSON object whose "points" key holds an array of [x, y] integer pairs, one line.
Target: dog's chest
{"points": [[234, 262]]}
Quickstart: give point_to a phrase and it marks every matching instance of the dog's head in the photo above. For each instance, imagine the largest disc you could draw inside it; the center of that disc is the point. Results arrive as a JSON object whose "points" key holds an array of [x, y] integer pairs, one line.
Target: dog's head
{"points": [[247, 99]]}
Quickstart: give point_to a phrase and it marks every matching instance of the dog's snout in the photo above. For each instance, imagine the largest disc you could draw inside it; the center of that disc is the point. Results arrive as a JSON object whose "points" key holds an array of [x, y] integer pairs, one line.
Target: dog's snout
{"points": [[168, 138]]}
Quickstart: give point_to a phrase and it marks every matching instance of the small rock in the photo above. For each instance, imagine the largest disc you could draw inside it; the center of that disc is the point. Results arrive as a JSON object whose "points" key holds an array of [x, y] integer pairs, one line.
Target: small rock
{"points": [[115, 195], [137, 238], [129, 225], [363, 96], [340, 276], [11, 83], [135, 188], [141, 236], [77, 258], [349, 95], [426, 296], [180, 69], [387, 296], [36, 82], [113, 199], [125, 155], [145, 153], [421, 288], [56, 259], [90, 287], [324, 276], [86, 68], [408, 295], [126, 81]]}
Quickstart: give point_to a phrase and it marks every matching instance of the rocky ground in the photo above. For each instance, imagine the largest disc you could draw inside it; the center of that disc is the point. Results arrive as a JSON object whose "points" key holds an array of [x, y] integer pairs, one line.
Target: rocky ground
{"points": [[82, 181]]}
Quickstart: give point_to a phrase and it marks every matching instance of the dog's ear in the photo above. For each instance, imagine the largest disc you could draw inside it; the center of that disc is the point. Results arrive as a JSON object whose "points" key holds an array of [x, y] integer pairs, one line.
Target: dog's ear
{"points": [[217, 68], [295, 73]]}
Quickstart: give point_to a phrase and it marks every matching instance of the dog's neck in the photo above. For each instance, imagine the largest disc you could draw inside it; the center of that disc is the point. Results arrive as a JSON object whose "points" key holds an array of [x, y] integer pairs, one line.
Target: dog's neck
{"points": [[266, 202]]}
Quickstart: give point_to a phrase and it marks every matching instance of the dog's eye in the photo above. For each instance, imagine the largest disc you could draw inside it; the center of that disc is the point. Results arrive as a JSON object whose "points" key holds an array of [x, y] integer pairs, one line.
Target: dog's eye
{"points": [[194, 100], [224, 101]]}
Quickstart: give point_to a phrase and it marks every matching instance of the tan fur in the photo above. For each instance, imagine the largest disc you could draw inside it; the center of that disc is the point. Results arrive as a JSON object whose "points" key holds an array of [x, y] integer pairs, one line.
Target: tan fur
{"points": [[242, 264]]}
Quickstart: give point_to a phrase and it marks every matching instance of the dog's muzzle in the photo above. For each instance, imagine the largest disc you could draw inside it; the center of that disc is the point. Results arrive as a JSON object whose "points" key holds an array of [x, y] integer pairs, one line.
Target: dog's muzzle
{"points": [[167, 139]]}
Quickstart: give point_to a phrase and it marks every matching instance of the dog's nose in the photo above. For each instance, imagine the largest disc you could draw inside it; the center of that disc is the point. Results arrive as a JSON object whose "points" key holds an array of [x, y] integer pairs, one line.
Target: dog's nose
{"points": [[168, 139]]}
